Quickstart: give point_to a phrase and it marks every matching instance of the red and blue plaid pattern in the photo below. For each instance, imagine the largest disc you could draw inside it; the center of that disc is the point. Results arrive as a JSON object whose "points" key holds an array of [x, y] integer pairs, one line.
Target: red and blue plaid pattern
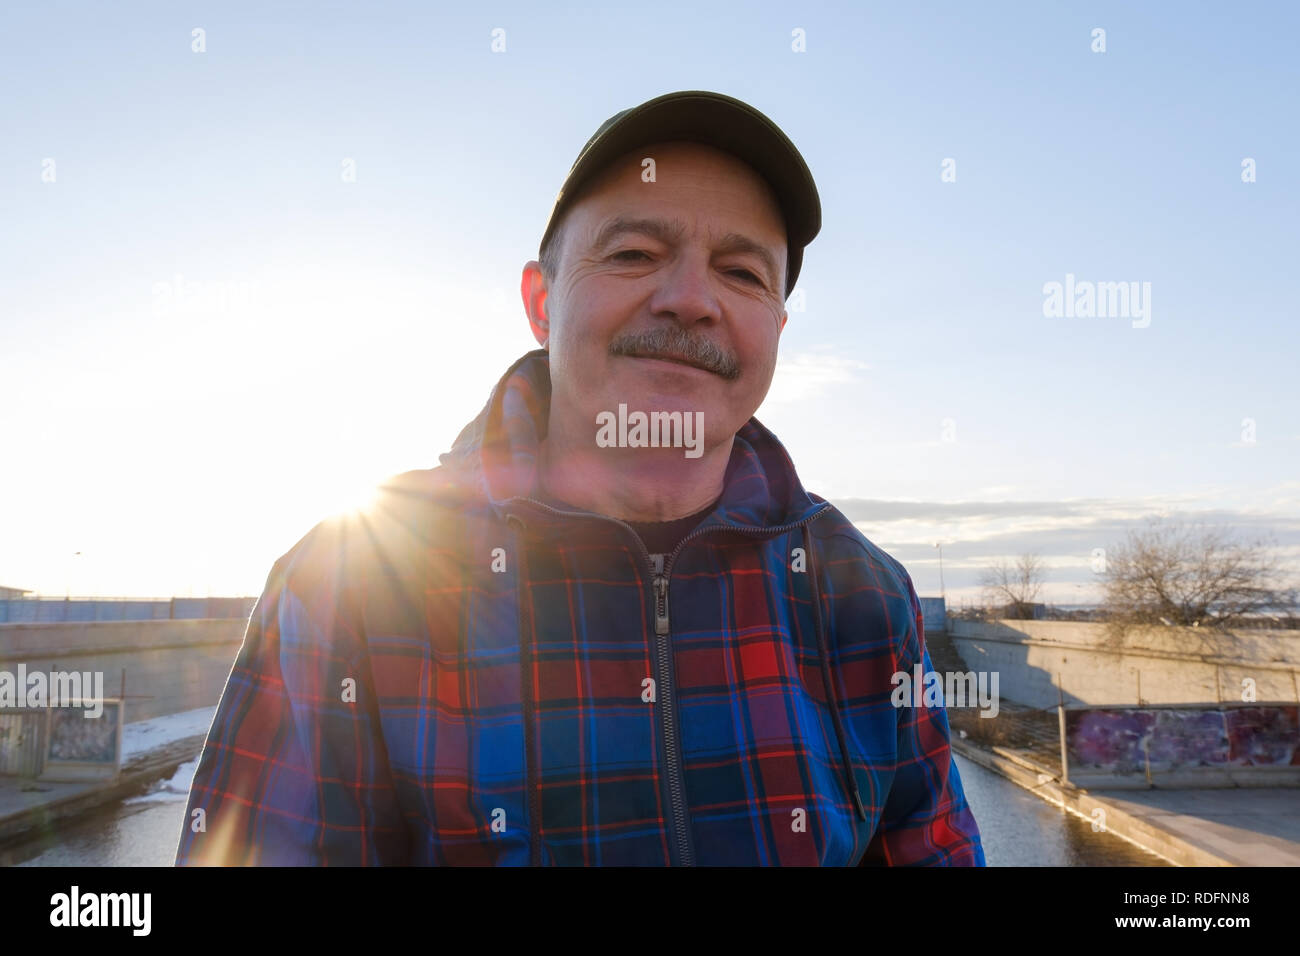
{"points": [[466, 675]]}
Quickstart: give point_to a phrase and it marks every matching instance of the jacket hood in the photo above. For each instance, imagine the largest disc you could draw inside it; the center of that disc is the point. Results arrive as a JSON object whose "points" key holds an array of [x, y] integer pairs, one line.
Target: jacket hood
{"points": [[496, 456]]}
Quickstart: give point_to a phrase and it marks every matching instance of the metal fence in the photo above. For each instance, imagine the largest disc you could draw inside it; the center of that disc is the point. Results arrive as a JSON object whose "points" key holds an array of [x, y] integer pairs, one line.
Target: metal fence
{"points": [[75, 610]]}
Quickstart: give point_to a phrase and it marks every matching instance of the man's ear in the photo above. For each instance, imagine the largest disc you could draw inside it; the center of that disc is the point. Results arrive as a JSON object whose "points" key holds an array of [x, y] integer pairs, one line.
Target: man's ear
{"points": [[532, 287]]}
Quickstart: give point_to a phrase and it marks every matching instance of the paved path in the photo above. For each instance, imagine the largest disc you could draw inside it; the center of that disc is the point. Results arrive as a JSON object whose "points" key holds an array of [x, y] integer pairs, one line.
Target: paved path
{"points": [[1242, 826]]}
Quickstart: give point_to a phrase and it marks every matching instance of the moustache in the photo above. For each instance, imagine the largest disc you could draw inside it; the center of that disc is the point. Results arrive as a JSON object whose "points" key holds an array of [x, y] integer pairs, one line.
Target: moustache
{"points": [[674, 344]]}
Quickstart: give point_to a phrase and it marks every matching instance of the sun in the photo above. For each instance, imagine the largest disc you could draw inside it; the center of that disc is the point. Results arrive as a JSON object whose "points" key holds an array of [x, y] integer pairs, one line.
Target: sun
{"points": [[357, 498]]}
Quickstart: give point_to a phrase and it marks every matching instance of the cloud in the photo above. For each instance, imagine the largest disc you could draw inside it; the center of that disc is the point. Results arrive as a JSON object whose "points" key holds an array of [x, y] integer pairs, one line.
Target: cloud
{"points": [[801, 376]]}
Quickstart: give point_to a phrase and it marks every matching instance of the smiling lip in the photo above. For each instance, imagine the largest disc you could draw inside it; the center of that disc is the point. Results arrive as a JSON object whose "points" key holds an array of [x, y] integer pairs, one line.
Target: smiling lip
{"points": [[675, 359]]}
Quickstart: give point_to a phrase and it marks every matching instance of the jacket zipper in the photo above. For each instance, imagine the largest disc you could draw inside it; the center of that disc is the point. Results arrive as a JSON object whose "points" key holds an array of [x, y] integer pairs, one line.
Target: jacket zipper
{"points": [[661, 595], [667, 699], [661, 572]]}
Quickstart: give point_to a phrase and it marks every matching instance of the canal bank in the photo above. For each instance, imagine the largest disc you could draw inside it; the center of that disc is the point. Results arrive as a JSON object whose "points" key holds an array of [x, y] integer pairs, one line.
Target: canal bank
{"points": [[1219, 827], [1224, 826], [37, 810]]}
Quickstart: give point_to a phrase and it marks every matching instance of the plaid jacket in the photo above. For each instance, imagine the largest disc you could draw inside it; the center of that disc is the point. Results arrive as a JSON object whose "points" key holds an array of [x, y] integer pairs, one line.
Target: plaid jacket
{"points": [[463, 674]]}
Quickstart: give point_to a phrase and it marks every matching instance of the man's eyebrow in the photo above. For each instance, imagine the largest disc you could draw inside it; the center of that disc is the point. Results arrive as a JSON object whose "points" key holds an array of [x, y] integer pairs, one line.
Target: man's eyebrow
{"points": [[661, 229], [668, 232]]}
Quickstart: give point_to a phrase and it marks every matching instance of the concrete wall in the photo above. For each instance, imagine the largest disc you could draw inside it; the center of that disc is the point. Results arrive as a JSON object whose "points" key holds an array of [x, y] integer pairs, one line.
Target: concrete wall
{"points": [[181, 665], [68, 610], [1172, 665], [173, 666]]}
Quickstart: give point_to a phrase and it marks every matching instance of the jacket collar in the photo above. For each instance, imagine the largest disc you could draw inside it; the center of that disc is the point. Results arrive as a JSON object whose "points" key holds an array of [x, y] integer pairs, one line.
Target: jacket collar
{"points": [[497, 454]]}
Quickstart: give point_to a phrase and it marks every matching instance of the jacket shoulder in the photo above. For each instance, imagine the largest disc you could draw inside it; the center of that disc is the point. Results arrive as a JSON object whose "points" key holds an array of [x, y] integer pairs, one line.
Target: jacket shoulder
{"points": [[866, 581], [410, 514], [841, 537]]}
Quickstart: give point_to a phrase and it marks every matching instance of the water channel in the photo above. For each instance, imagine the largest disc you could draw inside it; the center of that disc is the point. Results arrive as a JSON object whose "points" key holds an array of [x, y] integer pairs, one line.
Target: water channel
{"points": [[1018, 829]]}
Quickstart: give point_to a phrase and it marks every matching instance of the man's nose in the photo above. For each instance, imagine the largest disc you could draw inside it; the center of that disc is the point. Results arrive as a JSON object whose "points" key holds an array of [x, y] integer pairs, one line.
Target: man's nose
{"points": [[687, 290]]}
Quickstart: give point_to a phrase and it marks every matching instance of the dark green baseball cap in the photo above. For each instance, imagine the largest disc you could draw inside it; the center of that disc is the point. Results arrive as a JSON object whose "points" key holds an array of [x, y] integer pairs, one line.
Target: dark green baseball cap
{"points": [[715, 120]]}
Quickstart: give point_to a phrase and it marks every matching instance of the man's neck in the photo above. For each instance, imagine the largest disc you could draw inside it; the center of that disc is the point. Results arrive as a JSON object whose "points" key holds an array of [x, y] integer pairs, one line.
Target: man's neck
{"points": [[631, 484]]}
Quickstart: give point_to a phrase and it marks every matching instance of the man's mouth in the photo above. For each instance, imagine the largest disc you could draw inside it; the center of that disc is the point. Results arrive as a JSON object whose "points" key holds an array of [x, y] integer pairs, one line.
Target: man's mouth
{"points": [[671, 357]]}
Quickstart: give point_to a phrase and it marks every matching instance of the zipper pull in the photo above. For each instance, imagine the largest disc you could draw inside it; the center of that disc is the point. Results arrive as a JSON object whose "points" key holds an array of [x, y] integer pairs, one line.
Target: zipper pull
{"points": [[661, 594]]}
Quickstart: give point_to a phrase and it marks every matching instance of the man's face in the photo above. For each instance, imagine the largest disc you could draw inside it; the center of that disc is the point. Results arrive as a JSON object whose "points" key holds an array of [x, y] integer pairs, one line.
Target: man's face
{"points": [[689, 268]]}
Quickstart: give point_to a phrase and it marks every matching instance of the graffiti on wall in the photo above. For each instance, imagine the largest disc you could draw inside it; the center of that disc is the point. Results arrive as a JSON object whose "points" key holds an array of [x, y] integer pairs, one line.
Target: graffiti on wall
{"points": [[1131, 739]]}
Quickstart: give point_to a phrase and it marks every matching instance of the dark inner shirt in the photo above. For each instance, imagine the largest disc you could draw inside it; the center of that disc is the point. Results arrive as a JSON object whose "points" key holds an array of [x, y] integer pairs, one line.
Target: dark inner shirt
{"points": [[660, 537]]}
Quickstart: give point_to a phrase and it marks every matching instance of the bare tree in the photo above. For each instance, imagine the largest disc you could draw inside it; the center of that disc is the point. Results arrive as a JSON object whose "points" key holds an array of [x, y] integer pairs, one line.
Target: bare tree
{"points": [[1014, 586], [1191, 575]]}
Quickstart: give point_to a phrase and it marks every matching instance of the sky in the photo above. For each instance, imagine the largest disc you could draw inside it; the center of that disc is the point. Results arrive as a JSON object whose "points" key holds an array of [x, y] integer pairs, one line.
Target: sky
{"points": [[240, 285]]}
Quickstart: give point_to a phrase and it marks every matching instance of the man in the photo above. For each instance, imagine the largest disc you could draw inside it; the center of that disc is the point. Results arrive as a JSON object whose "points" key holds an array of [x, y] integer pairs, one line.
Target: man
{"points": [[612, 627]]}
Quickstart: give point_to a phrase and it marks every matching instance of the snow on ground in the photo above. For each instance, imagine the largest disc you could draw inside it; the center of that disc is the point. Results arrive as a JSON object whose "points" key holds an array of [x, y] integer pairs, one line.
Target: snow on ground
{"points": [[175, 789], [145, 735]]}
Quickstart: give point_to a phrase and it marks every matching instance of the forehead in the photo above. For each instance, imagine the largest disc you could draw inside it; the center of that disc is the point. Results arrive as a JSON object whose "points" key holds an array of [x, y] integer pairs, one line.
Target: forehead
{"points": [[694, 176]]}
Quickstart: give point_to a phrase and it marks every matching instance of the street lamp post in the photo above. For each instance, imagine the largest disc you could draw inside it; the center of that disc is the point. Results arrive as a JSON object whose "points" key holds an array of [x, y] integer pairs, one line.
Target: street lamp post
{"points": [[942, 593]]}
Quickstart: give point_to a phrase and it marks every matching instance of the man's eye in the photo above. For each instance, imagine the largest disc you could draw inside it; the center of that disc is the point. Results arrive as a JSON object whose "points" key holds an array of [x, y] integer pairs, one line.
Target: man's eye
{"points": [[626, 254]]}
